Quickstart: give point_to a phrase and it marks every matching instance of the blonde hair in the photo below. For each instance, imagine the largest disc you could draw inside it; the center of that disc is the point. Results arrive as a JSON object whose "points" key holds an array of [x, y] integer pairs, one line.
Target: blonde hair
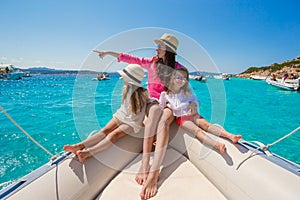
{"points": [[185, 88], [138, 97]]}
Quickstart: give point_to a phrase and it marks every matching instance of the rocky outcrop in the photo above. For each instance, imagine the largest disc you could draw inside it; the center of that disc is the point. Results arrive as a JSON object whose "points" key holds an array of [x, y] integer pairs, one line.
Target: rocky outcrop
{"points": [[290, 67]]}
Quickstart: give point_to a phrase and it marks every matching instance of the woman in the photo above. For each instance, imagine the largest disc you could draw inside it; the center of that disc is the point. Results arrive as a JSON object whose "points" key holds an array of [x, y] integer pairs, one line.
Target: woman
{"points": [[159, 69], [124, 121]]}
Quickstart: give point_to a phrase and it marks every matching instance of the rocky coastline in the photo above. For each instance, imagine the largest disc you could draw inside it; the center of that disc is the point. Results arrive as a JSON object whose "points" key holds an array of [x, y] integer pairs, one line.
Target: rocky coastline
{"points": [[290, 67]]}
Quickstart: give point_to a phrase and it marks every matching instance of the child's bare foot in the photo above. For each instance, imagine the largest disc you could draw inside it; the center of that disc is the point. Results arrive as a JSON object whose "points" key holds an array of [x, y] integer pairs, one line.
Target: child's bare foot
{"points": [[142, 175], [82, 155], [236, 138], [222, 148], [150, 186], [73, 148]]}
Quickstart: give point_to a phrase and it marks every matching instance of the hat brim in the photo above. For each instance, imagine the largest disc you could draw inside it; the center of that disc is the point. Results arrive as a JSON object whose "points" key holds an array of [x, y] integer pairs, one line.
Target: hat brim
{"points": [[128, 79], [159, 41]]}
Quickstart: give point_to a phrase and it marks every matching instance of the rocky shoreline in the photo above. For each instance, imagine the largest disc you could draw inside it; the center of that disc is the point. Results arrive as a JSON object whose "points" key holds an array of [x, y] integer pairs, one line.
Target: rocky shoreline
{"points": [[290, 67]]}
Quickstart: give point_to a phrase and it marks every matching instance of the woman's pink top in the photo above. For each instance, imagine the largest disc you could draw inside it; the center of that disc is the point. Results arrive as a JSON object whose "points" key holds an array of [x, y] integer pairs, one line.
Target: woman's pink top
{"points": [[155, 86]]}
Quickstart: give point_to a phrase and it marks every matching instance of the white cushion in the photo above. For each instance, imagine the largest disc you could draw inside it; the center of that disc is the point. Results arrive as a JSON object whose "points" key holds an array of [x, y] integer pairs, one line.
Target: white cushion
{"points": [[179, 179]]}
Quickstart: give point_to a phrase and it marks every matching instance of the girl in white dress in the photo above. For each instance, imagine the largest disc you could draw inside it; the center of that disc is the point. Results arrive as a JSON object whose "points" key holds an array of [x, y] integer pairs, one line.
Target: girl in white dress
{"points": [[184, 103], [128, 118]]}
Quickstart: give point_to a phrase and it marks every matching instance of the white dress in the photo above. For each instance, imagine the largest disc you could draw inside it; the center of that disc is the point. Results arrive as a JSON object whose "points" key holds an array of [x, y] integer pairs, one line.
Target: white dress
{"points": [[127, 117], [179, 103]]}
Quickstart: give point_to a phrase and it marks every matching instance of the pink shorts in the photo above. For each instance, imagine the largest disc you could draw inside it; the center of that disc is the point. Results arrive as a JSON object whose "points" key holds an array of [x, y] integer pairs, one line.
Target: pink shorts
{"points": [[180, 120]]}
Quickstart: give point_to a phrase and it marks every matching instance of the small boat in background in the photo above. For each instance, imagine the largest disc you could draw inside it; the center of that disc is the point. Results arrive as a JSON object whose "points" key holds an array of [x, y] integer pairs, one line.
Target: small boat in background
{"points": [[200, 78], [102, 76], [258, 77], [8, 72], [291, 85], [222, 76], [27, 74]]}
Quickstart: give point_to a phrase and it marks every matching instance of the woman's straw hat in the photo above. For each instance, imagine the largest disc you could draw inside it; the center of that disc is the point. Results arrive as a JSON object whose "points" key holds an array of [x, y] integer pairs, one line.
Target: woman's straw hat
{"points": [[168, 40], [133, 74]]}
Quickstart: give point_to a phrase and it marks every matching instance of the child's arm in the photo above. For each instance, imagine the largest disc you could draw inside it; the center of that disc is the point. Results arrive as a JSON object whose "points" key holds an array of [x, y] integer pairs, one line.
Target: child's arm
{"points": [[193, 104], [163, 100], [192, 108]]}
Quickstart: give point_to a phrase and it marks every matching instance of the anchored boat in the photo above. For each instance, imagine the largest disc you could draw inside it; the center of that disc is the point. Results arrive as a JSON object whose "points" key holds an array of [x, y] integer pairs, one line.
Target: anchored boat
{"points": [[8, 72], [292, 85]]}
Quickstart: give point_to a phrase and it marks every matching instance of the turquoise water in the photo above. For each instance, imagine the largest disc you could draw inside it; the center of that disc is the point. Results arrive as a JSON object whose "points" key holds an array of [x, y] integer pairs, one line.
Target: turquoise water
{"points": [[60, 109]]}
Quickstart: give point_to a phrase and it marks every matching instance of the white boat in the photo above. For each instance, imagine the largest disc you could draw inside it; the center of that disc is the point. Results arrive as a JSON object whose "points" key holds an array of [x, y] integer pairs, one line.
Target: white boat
{"points": [[258, 77], [293, 85], [190, 170], [200, 78], [222, 76], [101, 77], [8, 72]]}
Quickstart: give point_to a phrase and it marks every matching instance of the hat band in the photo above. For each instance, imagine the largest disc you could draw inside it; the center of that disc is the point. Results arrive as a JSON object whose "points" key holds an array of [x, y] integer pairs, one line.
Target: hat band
{"points": [[132, 77], [172, 45]]}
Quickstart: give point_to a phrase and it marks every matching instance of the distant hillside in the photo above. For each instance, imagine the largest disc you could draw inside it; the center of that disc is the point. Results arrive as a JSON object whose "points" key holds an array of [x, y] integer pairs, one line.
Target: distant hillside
{"points": [[291, 66], [45, 70]]}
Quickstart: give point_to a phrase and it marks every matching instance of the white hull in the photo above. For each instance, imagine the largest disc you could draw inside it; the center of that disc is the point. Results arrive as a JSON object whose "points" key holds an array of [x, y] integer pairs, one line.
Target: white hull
{"points": [[284, 84], [258, 77], [222, 76], [8, 72], [190, 171]]}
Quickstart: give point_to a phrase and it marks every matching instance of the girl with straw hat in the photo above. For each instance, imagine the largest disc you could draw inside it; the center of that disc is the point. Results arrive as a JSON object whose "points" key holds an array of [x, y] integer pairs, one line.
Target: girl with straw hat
{"points": [[124, 121]]}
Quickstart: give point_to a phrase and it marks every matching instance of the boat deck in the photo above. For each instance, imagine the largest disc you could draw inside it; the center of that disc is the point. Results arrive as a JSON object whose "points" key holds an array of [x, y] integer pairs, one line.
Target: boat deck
{"points": [[179, 179], [190, 170]]}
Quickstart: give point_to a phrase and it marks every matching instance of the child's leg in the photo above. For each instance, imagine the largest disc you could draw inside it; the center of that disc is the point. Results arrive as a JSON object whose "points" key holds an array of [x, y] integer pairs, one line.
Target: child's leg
{"points": [[199, 133], [105, 143], [94, 139], [151, 123], [216, 130], [150, 186]]}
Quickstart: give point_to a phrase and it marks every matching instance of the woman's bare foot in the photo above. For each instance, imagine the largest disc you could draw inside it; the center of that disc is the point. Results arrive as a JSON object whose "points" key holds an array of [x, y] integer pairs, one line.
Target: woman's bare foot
{"points": [[82, 155], [150, 186], [142, 175], [235, 138], [73, 148]]}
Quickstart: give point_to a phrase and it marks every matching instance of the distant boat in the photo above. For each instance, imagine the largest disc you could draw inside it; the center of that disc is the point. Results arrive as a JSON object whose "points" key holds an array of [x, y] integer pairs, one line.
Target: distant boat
{"points": [[8, 72], [222, 76], [102, 77], [258, 77], [291, 85], [26, 74], [200, 78]]}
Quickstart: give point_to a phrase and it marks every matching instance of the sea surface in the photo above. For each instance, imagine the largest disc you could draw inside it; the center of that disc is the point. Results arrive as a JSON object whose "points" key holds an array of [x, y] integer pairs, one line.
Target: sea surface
{"points": [[64, 109]]}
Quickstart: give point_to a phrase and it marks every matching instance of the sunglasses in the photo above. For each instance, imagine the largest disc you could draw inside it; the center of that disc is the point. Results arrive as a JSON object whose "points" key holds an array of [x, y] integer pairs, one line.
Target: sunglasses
{"points": [[160, 47], [181, 78]]}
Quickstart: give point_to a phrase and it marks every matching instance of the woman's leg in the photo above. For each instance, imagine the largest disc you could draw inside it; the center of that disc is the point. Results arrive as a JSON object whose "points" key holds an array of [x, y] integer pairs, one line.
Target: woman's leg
{"points": [[151, 123], [200, 134], [150, 187], [94, 139], [105, 143], [216, 130]]}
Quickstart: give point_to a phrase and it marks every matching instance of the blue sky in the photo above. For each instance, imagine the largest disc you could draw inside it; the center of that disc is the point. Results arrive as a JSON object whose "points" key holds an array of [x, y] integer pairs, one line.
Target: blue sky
{"points": [[235, 34]]}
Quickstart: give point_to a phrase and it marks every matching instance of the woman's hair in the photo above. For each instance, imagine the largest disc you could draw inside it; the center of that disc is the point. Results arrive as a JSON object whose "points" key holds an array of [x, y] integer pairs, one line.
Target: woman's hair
{"points": [[165, 68], [185, 88], [138, 97]]}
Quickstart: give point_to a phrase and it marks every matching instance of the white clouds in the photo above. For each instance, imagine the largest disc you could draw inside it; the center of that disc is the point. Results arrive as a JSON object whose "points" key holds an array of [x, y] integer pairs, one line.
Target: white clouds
{"points": [[16, 60], [11, 60], [27, 63]]}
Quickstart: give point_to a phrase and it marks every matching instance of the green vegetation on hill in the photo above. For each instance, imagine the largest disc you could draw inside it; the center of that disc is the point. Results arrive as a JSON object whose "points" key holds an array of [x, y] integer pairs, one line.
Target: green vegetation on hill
{"points": [[274, 67]]}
